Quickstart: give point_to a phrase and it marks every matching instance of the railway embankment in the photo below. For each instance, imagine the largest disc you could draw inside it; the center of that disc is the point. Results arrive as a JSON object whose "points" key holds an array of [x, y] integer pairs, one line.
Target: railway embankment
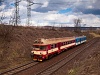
{"points": [[90, 65], [95, 34], [16, 42]]}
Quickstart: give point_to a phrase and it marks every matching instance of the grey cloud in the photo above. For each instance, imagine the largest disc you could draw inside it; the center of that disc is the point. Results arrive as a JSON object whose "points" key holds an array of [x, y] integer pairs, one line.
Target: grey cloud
{"points": [[54, 5], [92, 11], [84, 8]]}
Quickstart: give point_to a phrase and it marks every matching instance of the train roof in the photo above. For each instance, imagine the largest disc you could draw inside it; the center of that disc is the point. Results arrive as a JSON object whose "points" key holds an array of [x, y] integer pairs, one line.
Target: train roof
{"points": [[80, 36], [43, 41]]}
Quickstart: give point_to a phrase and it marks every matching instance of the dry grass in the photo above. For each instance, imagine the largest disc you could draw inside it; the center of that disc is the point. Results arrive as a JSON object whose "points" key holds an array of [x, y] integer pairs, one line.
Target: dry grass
{"points": [[95, 35], [16, 42]]}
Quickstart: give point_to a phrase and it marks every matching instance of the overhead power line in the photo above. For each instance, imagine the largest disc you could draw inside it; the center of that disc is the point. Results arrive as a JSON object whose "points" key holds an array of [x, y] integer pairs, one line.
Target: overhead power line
{"points": [[16, 18]]}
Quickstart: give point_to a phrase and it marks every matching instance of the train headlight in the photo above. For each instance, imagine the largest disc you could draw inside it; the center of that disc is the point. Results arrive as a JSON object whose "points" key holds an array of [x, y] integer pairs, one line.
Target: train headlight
{"points": [[32, 54], [40, 53], [32, 51]]}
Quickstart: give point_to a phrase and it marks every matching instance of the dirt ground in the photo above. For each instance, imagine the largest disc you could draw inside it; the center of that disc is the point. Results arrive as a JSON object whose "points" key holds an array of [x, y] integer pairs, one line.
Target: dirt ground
{"points": [[16, 42], [90, 65], [86, 63]]}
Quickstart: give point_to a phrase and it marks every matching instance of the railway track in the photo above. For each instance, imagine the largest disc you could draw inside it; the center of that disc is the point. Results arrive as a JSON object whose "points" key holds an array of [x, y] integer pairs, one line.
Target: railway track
{"points": [[54, 67], [49, 70], [18, 69]]}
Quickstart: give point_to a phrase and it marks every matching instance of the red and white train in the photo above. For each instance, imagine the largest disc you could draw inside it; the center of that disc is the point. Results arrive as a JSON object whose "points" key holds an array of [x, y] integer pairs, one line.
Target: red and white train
{"points": [[46, 48]]}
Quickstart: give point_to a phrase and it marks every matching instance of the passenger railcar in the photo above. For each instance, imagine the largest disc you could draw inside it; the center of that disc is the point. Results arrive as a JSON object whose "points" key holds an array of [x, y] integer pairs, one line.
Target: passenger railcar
{"points": [[46, 48], [80, 40]]}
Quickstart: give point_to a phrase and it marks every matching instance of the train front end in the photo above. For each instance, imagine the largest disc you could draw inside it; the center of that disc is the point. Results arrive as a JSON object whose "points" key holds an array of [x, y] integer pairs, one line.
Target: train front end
{"points": [[39, 52]]}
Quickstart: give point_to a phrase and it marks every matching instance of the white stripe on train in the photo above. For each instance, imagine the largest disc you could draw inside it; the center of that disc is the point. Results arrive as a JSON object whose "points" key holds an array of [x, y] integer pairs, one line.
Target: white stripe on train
{"points": [[52, 50]]}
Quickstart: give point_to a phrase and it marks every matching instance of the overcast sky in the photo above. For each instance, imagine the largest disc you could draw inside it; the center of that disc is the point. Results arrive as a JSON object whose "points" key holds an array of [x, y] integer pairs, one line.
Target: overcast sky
{"points": [[55, 12]]}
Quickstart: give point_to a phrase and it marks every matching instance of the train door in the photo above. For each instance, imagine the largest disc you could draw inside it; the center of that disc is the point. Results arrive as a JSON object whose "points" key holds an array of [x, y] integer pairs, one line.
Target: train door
{"points": [[48, 48], [59, 50]]}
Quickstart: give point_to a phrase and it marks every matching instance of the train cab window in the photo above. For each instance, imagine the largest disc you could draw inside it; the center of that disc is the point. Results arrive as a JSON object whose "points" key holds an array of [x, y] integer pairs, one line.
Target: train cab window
{"points": [[36, 47], [42, 47]]}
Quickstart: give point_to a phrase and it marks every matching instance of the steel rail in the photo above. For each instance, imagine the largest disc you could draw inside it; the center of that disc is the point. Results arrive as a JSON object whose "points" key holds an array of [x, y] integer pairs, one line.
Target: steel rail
{"points": [[49, 70], [54, 67], [18, 69]]}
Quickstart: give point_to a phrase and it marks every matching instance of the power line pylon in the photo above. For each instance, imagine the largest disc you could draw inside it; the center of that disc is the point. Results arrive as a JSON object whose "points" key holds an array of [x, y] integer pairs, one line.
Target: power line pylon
{"points": [[28, 12], [16, 19], [29, 4]]}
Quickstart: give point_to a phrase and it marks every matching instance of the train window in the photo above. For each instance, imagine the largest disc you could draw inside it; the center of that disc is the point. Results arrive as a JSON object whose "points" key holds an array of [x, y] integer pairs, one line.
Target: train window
{"points": [[64, 43], [68, 42], [36, 47], [73, 41], [53, 46], [42, 47]]}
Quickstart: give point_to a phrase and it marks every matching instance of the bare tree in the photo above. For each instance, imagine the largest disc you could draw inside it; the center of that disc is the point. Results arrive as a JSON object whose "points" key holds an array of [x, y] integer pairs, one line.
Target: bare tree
{"points": [[2, 17], [77, 24]]}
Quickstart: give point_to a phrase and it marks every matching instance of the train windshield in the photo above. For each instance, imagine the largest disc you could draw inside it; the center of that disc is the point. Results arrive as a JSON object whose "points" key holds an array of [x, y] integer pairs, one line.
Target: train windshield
{"points": [[36, 47]]}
